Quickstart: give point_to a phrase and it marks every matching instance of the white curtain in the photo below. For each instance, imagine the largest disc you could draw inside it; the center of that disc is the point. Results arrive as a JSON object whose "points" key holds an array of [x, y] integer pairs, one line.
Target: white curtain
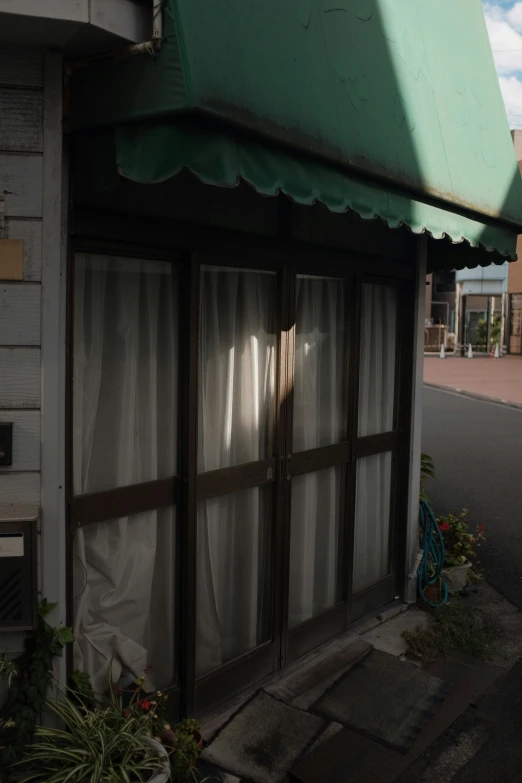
{"points": [[237, 382], [320, 411], [372, 520], [376, 413], [377, 363], [125, 432]]}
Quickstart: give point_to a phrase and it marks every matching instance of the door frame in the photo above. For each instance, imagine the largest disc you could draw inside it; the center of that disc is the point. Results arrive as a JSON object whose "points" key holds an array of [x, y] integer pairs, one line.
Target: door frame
{"points": [[187, 245]]}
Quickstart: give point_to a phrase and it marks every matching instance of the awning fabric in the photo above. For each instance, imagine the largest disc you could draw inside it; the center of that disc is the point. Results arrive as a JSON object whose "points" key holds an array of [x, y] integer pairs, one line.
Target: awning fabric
{"points": [[156, 152], [388, 107]]}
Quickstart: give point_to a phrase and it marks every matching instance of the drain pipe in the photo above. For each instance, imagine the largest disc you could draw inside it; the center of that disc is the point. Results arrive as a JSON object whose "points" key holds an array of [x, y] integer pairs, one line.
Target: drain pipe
{"points": [[157, 20]]}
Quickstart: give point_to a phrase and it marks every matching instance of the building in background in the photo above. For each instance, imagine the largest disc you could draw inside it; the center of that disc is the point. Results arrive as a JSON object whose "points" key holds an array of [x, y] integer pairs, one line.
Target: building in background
{"points": [[440, 310], [481, 306], [514, 321]]}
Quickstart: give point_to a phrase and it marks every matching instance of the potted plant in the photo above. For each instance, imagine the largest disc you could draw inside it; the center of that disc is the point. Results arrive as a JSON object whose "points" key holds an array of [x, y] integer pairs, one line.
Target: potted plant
{"points": [[459, 544], [98, 743], [187, 747], [183, 742]]}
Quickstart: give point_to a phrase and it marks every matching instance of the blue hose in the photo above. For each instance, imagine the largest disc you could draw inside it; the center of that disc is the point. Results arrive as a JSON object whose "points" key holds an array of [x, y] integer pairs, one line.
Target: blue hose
{"points": [[432, 543]]}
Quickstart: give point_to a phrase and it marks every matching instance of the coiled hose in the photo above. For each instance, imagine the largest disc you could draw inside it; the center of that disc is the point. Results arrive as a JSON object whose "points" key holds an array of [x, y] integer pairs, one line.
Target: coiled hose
{"points": [[432, 545]]}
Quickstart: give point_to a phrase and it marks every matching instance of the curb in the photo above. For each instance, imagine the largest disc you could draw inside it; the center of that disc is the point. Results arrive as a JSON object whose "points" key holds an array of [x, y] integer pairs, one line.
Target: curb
{"points": [[474, 395]]}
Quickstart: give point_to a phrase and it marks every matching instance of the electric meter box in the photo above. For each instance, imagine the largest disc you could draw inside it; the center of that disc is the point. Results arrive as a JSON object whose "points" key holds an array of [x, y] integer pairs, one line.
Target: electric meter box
{"points": [[18, 603]]}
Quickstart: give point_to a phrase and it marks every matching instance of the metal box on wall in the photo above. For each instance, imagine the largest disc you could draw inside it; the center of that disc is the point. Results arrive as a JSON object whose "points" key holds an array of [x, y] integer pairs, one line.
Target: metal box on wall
{"points": [[18, 574]]}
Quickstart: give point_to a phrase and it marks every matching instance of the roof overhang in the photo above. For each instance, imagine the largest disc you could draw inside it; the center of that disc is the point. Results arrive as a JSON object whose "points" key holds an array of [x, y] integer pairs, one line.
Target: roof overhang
{"points": [[76, 27]]}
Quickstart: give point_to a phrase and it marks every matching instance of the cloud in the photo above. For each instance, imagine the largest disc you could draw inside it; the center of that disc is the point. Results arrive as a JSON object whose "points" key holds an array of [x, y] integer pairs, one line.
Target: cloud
{"points": [[511, 87], [504, 23], [514, 17], [506, 41]]}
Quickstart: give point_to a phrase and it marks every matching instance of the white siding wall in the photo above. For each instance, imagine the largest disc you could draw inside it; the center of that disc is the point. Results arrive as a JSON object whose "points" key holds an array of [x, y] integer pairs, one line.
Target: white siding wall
{"points": [[21, 160]]}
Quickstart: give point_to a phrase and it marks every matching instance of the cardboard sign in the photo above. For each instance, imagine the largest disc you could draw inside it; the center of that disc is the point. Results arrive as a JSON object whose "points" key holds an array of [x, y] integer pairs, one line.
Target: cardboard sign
{"points": [[11, 259]]}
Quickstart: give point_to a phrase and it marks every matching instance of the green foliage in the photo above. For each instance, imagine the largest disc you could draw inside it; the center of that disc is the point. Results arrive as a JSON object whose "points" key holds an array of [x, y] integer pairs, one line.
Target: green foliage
{"points": [[455, 626], [184, 759], [7, 669], [459, 541], [482, 333], [482, 336], [82, 686], [99, 746], [427, 471], [496, 329], [28, 689]]}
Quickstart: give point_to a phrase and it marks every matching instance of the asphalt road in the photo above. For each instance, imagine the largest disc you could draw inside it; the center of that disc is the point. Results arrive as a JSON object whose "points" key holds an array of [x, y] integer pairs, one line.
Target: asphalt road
{"points": [[477, 450]]}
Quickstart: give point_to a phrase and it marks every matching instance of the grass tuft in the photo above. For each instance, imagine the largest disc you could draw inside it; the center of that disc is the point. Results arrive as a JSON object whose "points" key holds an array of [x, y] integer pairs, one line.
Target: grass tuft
{"points": [[455, 626]]}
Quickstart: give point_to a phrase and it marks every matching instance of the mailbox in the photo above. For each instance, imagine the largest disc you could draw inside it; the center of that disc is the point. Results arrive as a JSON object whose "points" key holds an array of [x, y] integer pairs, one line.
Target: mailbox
{"points": [[18, 568]]}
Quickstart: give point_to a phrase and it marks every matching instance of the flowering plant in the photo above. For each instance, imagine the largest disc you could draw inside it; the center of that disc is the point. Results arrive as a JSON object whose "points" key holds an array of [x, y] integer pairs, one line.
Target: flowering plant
{"points": [[121, 736], [139, 704], [95, 742], [459, 541], [182, 741]]}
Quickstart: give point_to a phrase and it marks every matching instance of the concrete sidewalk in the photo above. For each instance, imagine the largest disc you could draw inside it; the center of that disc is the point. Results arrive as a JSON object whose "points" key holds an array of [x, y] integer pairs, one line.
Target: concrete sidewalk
{"points": [[500, 379]]}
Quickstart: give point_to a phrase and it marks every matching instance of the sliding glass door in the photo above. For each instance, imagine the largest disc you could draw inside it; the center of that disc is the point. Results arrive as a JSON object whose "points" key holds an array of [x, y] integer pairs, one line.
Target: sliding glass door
{"points": [[376, 449], [237, 387], [317, 459], [125, 482], [235, 508]]}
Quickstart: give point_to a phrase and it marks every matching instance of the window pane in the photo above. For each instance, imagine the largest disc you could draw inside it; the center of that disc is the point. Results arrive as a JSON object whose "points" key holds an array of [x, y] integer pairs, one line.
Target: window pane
{"points": [[124, 596], [377, 364], [372, 520], [237, 367], [315, 544], [233, 576], [125, 371], [321, 363]]}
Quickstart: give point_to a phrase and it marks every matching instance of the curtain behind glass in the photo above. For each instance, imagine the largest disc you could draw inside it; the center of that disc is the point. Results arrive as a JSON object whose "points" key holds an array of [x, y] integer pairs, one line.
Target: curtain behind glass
{"points": [[319, 419], [378, 359], [372, 520], [124, 432], [237, 382]]}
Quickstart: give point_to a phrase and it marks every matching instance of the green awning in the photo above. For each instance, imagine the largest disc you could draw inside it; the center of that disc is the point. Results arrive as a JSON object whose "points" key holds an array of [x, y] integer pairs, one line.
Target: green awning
{"points": [[390, 108], [156, 152]]}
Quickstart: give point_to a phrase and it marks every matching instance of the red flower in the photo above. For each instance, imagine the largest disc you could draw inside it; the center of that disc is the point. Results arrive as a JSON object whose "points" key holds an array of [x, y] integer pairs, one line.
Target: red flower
{"points": [[444, 526], [145, 704], [126, 713]]}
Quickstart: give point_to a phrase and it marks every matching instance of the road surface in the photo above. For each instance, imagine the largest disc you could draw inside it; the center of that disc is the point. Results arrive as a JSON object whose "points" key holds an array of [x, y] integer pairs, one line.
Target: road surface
{"points": [[477, 450]]}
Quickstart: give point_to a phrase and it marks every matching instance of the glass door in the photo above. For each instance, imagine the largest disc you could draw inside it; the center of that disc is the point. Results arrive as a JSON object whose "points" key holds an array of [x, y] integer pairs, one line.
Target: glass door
{"points": [[125, 483], [374, 560], [235, 503], [318, 455]]}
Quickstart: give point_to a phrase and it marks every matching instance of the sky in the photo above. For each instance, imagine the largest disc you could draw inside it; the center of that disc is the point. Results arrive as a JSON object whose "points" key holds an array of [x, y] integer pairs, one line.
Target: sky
{"points": [[504, 22]]}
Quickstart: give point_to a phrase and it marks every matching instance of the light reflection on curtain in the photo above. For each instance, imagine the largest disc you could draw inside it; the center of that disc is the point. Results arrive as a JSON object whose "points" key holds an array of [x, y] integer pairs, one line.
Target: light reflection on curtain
{"points": [[237, 381], [320, 411], [125, 380]]}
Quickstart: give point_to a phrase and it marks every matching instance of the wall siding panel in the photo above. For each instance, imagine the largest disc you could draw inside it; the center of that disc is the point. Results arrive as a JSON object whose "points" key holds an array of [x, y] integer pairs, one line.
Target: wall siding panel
{"points": [[21, 129], [21, 67], [30, 232], [21, 183], [26, 439], [19, 488], [20, 313], [19, 378]]}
